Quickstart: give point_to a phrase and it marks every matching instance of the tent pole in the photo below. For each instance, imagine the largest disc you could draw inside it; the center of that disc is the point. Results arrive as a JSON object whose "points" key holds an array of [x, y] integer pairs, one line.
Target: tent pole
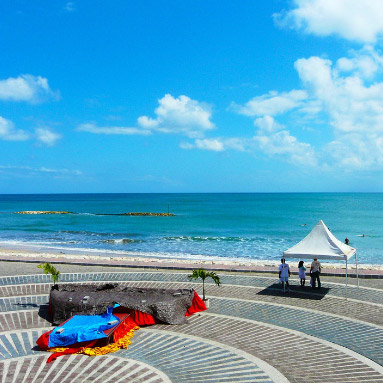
{"points": [[356, 267], [346, 277], [284, 283]]}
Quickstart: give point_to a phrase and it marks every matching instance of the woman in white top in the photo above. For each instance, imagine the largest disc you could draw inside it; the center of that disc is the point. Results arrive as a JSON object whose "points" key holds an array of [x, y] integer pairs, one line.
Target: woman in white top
{"points": [[302, 273], [284, 273]]}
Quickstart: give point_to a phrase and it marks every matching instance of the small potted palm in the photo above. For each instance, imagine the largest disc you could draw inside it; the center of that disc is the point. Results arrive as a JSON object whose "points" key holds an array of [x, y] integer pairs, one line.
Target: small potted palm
{"points": [[203, 275]]}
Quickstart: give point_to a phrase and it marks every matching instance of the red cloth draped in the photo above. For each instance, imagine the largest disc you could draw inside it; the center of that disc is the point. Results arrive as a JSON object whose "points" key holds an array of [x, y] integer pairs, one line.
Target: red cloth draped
{"points": [[43, 341], [127, 325], [72, 350], [142, 319], [197, 305]]}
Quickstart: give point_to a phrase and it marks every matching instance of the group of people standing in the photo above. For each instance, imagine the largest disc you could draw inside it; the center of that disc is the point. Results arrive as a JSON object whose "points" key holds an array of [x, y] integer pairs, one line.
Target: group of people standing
{"points": [[315, 270]]}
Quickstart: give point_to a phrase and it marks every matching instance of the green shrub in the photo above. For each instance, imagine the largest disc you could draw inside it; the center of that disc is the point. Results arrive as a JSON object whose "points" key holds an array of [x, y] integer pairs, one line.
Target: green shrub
{"points": [[48, 268]]}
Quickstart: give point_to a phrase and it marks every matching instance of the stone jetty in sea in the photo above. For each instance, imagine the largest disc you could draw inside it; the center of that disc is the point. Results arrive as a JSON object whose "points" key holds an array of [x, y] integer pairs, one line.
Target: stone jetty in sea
{"points": [[43, 212], [145, 214], [69, 212]]}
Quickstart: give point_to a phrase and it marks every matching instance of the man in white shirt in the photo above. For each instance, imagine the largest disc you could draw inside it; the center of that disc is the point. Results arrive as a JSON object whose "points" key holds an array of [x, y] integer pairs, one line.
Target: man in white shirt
{"points": [[284, 273], [315, 271]]}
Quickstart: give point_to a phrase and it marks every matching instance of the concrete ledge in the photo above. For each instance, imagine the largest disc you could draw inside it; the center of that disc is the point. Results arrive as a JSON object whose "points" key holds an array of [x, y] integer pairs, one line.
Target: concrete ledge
{"points": [[365, 274]]}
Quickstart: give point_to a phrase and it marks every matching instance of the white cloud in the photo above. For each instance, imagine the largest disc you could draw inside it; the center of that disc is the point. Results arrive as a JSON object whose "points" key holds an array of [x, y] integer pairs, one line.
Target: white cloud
{"points": [[47, 136], [213, 144], [350, 105], [365, 64], [8, 132], [267, 123], [285, 146], [357, 151], [26, 88], [28, 170], [180, 115], [347, 97], [354, 110], [111, 130], [217, 144], [271, 139], [272, 103], [356, 20]]}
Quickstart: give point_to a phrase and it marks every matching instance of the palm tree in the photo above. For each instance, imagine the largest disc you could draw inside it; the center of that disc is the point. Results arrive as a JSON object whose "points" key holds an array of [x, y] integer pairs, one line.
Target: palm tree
{"points": [[203, 274], [48, 268]]}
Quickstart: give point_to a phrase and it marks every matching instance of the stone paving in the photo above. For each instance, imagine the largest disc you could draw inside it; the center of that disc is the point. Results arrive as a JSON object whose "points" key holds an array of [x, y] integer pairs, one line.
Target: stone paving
{"points": [[252, 332]]}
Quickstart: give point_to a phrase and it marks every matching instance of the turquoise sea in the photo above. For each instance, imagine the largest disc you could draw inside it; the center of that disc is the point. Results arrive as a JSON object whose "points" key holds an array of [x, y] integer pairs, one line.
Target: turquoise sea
{"points": [[233, 226]]}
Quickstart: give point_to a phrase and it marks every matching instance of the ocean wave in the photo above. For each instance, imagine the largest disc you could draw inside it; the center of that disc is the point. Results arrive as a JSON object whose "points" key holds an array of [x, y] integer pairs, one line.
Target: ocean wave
{"points": [[198, 238], [121, 241], [126, 253], [101, 234]]}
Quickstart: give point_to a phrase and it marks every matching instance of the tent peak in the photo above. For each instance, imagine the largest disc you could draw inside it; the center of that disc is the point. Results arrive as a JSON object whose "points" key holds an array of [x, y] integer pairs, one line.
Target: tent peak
{"points": [[320, 243]]}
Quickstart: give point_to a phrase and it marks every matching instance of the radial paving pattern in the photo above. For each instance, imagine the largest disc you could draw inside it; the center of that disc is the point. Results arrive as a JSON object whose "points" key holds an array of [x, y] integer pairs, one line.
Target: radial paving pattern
{"points": [[251, 333]]}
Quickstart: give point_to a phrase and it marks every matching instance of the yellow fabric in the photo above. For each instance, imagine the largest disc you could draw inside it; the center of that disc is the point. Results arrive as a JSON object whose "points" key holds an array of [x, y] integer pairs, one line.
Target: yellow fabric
{"points": [[124, 342]]}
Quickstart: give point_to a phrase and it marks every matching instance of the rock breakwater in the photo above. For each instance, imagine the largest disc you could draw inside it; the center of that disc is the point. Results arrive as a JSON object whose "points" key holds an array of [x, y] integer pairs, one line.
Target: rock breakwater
{"points": [[31, 212], [43, 212], [145, 214]]}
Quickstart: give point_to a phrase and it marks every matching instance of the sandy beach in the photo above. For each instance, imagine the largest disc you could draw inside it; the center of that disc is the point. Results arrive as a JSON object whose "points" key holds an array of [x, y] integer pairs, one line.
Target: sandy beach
{"points": [[24, 254]]}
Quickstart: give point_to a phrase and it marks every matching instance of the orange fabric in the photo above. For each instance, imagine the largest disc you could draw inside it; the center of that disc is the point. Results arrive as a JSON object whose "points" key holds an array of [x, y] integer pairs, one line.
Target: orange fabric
{"points": [[197, 305]]}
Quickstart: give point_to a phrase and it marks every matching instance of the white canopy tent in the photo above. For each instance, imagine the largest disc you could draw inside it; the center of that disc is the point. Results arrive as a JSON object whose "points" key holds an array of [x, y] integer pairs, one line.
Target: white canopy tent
{"points": [[320, 243]]}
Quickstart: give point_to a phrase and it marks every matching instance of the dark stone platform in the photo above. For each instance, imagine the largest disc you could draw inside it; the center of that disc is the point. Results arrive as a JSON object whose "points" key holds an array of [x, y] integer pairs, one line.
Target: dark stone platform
{"points": [[166, 305]]}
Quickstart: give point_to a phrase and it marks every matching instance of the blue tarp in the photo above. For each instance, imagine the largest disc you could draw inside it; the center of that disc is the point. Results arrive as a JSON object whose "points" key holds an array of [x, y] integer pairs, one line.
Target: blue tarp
{"points": [[82, 328]]}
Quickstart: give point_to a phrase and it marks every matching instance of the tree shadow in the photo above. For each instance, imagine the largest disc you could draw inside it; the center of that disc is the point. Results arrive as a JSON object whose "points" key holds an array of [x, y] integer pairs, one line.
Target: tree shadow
{"points": [[26, 305], [295, 292]]}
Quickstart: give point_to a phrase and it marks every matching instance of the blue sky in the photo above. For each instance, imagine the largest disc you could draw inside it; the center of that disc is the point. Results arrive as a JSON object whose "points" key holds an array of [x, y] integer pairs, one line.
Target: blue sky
{"points": [[191, 96]]}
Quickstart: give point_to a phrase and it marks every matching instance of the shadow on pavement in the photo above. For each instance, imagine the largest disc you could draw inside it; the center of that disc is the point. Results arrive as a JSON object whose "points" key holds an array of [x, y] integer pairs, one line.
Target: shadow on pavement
{"points": [[43, 313], [26, 305], [295, 292]]}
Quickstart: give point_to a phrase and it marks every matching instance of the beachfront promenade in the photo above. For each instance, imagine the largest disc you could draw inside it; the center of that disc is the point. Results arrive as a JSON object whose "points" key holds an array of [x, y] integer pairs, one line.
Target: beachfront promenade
{"points": [[251, 333]]}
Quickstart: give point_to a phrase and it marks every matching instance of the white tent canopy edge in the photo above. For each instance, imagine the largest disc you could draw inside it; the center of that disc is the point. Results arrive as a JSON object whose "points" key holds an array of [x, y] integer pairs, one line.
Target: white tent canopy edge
{"points": [[320, 243]]}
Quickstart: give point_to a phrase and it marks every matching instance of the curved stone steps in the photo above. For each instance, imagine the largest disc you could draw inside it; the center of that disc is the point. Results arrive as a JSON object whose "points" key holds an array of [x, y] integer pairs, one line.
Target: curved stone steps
{"points": [[78, 368], [365, 311], [285, 350], [361, 337], [361, 294], [304, 339], [299, 357], [22, 320], [179, 358]]}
